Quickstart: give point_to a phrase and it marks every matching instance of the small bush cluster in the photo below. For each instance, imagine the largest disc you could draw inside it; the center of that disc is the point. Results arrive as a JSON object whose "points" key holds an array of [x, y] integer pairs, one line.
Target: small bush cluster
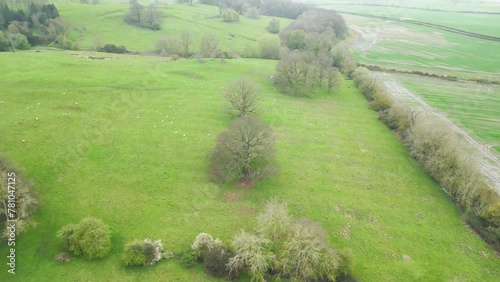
{"points": [[230, 16], [301, 73], [144, 252], [90, 238], [203, 243], [112, 48], [282, 247], [376, 95], [216, 260]]}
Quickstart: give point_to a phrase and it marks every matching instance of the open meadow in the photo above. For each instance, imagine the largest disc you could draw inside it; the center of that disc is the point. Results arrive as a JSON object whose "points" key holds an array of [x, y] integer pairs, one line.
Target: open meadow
{"points": [[105, 22], [127, 138]]}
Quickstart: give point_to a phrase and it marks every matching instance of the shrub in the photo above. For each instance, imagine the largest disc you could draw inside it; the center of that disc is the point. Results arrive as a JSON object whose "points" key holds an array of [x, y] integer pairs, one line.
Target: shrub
{"points": [[273, 26], [91, 237], [174, 57], [112, 48], [345, 263], [203, 243], [252, 254], [190, 258], [492, 214], [4, 43], [216, 261], [269, 47], [274, 223], [381, 101], [145, 252], [133, 253], [20, 41], [297, 40], [230, 16]]}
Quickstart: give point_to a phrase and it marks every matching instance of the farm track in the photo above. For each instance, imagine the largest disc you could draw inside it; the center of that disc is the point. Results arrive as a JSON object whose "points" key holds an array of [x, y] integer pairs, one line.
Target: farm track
{"points": [[487, 160], [431, 25]]}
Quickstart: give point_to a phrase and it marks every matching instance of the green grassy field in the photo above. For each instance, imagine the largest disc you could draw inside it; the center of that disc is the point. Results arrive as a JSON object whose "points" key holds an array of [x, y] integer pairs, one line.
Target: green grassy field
{"points": [[480, 23], [106, 20], [411, 47], [126, 140], [447, 5], [475, 107]]}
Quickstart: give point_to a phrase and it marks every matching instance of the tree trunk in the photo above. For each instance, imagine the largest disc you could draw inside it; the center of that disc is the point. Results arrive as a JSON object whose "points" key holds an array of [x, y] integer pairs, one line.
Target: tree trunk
{"points": [[12, 44]]}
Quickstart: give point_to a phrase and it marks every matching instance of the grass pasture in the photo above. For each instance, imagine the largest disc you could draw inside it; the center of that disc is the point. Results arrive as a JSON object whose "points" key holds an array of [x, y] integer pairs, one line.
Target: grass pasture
{"points": [[447, 5], [473, 106], [126, 139], [479, 23], [410, 47], [106, 20]]}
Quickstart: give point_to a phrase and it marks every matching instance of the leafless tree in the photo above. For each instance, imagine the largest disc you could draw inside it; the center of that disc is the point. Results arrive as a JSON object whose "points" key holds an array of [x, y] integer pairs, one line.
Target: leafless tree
{"points": [[186, 42], [209, 44], [291, 73], [243, 96], [245, 151], [332, 76]]}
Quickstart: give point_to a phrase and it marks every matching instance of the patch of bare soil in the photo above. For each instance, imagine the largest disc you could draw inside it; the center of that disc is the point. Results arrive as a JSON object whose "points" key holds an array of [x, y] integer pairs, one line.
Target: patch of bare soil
{"points": [[231, 196], [244, 184], [91, 57]]}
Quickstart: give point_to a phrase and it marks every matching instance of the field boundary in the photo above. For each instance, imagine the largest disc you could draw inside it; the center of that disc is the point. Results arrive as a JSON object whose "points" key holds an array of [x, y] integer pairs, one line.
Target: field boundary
{"points": [[421, 9], [435, 26], [432, 75], [488, 162]]}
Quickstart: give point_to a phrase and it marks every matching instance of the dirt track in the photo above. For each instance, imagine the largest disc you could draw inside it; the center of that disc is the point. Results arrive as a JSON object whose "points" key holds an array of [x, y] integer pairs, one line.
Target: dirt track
{"points": [[487, 160]]}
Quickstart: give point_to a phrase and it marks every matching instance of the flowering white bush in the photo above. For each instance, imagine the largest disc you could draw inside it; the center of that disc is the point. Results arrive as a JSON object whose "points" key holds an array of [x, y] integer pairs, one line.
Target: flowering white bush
{"points": [[204, 242]]}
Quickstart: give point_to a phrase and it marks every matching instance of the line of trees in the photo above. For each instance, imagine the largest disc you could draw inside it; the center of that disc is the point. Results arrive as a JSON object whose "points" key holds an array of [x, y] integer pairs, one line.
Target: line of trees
{"points": [[442, 153], [245, 151], [308, 62], [301, 73]]}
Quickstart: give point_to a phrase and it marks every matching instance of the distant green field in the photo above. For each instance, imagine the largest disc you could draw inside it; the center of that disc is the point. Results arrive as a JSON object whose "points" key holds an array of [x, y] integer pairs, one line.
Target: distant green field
{"points": [[476, 107], [107, 21], [480, 23], [126, 139], [410, 47], [448, 5]]}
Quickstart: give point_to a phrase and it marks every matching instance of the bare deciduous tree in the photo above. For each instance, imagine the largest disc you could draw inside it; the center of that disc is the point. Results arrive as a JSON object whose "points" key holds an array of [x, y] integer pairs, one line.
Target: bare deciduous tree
{"points": [[290, 73], [243, 96], [332, 76], [209, 44], [186, 43], [245, 151]]}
